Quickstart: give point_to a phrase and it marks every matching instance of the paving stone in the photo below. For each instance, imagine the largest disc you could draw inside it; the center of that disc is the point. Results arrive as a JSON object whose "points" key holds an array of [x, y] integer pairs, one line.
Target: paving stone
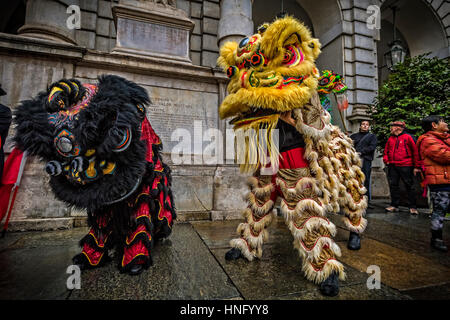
{"points": [[279, 269], [402, 231], [353, 292], [29, 240], [430, 293], [399, 269], [34, 267], [183, 269], [217, 234]]}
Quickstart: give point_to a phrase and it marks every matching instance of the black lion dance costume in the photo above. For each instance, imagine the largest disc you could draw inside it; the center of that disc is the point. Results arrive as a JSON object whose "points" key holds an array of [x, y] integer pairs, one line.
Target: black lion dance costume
{"points": [[274, 84], [103, 156]]}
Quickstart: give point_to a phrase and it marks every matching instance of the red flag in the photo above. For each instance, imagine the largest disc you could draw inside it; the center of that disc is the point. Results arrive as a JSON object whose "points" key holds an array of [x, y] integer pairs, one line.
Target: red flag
{"points": [[12, 173], [342, 101]]}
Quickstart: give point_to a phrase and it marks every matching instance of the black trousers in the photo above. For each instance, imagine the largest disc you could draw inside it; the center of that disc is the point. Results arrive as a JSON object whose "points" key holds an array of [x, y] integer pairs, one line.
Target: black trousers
{"points": [[407, 175], [367, 170]]}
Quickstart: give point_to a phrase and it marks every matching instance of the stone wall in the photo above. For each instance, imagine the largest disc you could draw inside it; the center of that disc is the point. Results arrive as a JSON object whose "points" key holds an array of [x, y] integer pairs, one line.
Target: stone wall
{"points": [[98, 30], [179, 91]]}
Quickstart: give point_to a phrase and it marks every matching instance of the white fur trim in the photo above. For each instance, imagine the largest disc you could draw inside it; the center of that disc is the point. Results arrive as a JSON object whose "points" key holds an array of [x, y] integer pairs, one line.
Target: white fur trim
{"points": [[358, 228]]}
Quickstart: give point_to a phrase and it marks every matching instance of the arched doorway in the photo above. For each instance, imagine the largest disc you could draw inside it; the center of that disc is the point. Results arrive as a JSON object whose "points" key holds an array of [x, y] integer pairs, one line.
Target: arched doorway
{"points": [[322, 17], [12, 16], [266, 11], [417, 25]]}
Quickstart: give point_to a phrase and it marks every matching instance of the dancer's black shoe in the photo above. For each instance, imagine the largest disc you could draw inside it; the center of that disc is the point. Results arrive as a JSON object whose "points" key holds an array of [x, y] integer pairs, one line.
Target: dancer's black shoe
{"points": [[354, 241], [233, 254], [330, 287]]}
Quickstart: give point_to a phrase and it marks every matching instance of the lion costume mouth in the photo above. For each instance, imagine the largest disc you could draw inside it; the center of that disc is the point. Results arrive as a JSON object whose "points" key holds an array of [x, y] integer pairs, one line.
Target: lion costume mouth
{"points": [[253, 115]]}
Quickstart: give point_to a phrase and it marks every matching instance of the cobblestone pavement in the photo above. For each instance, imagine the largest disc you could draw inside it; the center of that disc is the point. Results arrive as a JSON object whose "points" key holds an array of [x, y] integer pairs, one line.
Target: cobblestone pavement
{"points": [[191, 265]]}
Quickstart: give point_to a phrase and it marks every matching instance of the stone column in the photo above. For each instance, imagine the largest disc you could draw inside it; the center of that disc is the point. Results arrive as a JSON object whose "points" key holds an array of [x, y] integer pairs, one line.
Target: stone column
{"points": [[47, 19], [229, 185], [235, 20]]}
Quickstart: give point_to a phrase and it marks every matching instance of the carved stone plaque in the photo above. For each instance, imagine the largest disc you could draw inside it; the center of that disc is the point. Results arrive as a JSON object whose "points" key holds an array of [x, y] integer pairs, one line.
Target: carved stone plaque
{"points": [[192, 112], [152, 38], [152, 29]]}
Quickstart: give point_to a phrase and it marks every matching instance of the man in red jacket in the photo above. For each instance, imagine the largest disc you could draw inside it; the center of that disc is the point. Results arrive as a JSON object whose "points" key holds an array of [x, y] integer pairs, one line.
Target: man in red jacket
{"points": [[402, 158], [434, 148]]}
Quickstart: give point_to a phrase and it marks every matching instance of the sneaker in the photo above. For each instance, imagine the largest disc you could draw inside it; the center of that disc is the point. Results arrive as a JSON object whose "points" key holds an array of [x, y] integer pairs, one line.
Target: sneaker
{"points": [[413, 211], [391, 209]]}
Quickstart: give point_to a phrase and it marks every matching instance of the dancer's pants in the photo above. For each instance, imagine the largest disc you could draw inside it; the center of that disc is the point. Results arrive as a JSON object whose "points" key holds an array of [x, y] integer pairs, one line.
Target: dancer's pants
{"points": [[406, 174], [304, 214], [135, 247]]}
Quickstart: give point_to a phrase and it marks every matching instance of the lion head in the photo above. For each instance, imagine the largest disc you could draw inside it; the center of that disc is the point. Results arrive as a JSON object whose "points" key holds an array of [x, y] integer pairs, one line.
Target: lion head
{"points": [[270, 72]]}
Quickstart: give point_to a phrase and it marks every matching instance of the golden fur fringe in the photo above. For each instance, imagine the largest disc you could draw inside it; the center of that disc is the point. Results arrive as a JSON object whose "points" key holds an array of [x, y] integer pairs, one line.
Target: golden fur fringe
{"points": [[259, 209], [240, 244], [258, 223], [313, 223], [253, 240], [318, 276], [359, 228], [301, 185], [312, 254], [260, 191], [303, 205]]}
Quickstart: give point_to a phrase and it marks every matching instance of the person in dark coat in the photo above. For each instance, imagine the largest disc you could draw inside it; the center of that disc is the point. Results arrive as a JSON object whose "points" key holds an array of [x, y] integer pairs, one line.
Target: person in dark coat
{"points": [[5, 121], [365, 143]]}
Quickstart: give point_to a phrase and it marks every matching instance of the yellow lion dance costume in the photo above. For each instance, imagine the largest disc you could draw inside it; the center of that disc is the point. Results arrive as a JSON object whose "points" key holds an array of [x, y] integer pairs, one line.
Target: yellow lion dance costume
{"points": [[273, 85]]}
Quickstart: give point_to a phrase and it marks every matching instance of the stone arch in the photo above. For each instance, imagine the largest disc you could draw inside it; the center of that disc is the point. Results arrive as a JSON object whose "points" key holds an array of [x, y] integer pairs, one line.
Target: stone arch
{"points": [[266, 11], [431, 34], [12, 16], [325, 20], [323, 17]]}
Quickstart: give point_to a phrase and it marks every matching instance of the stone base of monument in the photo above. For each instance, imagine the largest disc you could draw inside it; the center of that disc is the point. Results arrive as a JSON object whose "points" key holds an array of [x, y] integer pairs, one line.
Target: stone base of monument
{"points": [[152, 29]]}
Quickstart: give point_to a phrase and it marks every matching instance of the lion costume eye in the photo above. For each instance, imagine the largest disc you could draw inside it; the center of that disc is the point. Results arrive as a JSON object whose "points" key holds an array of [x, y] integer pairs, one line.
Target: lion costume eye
{"points": [[293, 56], [243, 42], [231, 71]]}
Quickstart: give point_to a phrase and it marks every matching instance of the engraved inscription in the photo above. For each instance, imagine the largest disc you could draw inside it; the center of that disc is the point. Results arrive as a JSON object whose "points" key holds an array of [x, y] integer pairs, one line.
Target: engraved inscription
{"points": [[152, 37], [166, 115]]}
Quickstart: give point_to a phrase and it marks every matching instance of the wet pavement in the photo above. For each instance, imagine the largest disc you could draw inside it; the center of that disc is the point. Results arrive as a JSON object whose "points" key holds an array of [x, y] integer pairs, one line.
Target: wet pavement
{"points": [[191, 265]]}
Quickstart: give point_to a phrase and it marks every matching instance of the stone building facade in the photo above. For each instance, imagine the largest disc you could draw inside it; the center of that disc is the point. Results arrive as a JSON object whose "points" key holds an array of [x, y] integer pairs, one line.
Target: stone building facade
{"points": [[37, 48]]}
